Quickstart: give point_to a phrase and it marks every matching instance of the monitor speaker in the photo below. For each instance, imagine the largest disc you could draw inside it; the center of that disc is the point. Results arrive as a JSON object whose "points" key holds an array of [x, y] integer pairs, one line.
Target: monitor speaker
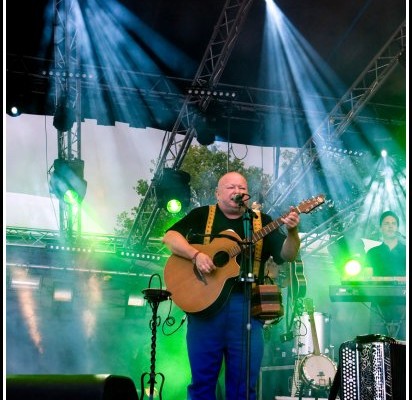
{"points": [[275, 381], [70, 387]]}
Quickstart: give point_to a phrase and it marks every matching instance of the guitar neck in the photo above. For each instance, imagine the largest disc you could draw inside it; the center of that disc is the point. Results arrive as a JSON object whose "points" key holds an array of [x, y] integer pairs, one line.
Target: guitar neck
{"points": [[305, 207], [278, 221], [260, 234], [316, 347], [270, 227], [311, 313]]}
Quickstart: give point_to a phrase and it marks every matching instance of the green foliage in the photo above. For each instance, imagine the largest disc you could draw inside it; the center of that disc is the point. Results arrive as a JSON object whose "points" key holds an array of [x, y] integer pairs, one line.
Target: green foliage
{"points": [[124, 220], [141, 187], [205, 168]]}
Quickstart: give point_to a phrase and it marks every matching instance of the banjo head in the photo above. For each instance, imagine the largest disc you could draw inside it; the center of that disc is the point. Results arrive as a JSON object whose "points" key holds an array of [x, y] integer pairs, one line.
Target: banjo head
{"points": [[318, 371]]}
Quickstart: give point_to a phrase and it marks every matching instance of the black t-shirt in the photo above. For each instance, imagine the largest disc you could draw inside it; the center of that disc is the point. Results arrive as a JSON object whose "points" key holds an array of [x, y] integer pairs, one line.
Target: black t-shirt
{"points": [[387, 262], [388, 315], [193, 226]]}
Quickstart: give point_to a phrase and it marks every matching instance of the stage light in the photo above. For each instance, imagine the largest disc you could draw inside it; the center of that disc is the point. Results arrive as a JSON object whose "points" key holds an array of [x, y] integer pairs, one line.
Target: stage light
{"points": [[338, 151], [139, 255], [62, 293], [204, 132], [135, 304], [173, 190], [201, 91], [64, 116], [174, 206], [352, 267], [67, 181], [13, 111], [136, 300], [205, 137], [348, 255], [25, 282]]}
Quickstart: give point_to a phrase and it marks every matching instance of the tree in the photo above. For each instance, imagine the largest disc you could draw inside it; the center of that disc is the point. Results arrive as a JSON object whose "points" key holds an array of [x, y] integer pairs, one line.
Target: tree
{"points": [[205, 167]]}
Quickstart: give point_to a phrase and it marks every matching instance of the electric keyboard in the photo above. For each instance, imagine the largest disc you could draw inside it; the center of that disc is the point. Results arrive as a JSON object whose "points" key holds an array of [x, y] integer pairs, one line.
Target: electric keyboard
{"points": [[383, 293], [376, 280]]}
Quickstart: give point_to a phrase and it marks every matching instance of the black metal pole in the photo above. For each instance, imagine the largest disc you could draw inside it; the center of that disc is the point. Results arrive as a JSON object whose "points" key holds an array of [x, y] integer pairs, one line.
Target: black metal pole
{"points": [[154, 297], [248, 278]]}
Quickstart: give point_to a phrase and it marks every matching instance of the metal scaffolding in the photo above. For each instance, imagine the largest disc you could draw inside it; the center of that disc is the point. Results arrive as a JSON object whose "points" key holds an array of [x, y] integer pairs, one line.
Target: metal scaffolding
{"points": [[210, 70], [333, 126], [67, 92], [177, 142]]}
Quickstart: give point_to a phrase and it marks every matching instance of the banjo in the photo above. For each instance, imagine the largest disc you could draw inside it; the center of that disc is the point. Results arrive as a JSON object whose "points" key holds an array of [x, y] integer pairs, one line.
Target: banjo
{"points": [[317, 370]]}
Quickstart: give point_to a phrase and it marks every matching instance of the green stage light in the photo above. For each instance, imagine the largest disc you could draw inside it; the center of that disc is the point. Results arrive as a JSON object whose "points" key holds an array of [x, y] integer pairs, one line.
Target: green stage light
{"points": [[67, 181], [174, 206], [173, 191], [352, 267], [71, 197], [348, 255]]}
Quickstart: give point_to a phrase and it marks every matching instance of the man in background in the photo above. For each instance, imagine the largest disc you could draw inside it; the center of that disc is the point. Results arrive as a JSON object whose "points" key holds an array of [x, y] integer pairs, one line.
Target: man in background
{"points": [[389, 260]]}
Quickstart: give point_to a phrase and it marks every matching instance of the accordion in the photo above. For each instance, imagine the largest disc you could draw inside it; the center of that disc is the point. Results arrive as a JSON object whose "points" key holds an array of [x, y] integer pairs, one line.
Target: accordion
{"points": [[372, 367]]}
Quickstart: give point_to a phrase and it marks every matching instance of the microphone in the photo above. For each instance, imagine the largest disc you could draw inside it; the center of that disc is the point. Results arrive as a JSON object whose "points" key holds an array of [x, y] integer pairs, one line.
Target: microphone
{"points": [[238, 198]]}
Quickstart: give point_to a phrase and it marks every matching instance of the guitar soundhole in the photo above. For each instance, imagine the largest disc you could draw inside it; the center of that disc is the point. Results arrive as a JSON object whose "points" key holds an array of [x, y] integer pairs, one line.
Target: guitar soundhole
{"points": [[221, 258]]}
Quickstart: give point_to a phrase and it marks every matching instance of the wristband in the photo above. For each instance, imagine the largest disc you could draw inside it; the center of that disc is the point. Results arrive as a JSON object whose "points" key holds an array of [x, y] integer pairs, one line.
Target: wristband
{"points": [[194, 257]]}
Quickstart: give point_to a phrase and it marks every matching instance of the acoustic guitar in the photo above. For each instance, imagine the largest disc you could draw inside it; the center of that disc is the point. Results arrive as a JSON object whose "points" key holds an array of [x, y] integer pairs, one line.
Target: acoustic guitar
{"points": [[204, 294], [297, 280], [317, 370]]}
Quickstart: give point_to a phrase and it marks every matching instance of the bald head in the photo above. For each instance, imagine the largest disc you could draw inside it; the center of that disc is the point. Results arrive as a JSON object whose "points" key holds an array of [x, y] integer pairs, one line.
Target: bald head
{"points": [[232, 178], [229, 185]]}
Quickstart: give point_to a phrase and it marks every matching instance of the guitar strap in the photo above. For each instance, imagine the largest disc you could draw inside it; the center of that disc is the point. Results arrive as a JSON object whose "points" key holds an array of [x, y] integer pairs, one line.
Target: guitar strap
{"points": [[209, 223], [257, 225]]}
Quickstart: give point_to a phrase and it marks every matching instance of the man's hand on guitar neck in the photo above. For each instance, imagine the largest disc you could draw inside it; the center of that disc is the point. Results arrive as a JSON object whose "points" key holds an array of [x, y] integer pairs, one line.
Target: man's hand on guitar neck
{"points": [[291, 245], [291, 220]]}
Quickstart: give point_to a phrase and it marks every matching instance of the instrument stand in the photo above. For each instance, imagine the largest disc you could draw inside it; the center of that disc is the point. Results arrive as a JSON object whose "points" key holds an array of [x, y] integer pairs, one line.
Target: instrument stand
{"points": [[154, 297], [246, 276], [308, 391], [393, 326], [296, 379]]}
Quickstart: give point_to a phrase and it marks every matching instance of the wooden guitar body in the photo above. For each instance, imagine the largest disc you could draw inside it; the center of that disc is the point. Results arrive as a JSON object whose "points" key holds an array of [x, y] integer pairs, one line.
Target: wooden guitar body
{"points": [[297, 280], [203, 294]]}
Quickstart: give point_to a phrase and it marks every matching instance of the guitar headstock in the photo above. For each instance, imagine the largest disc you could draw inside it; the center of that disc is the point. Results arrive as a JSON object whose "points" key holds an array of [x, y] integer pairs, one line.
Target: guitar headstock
{"points": [[306, 206]]}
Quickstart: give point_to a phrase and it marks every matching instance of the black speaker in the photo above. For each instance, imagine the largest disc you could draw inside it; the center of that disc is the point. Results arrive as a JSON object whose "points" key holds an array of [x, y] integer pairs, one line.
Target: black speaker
{"points": [[70, 387]]}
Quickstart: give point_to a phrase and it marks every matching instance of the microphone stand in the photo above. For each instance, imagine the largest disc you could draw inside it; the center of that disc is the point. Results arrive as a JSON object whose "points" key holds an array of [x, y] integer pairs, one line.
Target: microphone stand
{"points": [[246, 276]]}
